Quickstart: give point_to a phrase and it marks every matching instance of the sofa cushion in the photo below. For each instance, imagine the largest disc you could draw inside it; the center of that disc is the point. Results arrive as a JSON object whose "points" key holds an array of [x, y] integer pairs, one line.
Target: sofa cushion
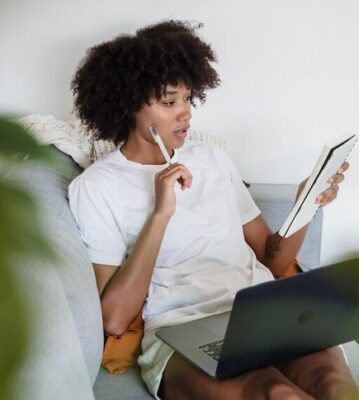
{"points": [[55, 366], [73, 266], [127, 386]]}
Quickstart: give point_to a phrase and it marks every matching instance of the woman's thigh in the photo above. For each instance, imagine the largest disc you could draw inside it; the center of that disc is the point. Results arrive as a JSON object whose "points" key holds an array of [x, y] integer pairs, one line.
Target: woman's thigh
{"points": [[183, 381], [324, 375]]}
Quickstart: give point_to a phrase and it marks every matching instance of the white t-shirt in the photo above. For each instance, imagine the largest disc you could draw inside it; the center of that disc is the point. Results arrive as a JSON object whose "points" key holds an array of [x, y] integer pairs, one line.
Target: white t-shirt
{"points": [[203, 260]]}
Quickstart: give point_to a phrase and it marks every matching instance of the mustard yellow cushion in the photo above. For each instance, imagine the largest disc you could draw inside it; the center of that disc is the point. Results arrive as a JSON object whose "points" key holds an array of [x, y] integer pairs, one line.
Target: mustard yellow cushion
{"points": [[120, 353], [292, 269]]}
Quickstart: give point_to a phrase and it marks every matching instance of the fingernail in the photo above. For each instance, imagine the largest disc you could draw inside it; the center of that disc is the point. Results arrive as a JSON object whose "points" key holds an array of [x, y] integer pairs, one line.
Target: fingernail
{"points": [[340, 171]]}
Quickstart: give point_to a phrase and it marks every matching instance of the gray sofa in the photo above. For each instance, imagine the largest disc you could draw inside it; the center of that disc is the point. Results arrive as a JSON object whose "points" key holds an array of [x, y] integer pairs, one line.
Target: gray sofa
{"points": [[67, 339]]}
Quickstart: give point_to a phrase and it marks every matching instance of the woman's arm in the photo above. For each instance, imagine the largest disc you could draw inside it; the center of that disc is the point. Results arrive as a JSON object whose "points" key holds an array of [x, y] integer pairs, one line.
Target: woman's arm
{"points": [[273, 251], [123, 290], [276, 252]]}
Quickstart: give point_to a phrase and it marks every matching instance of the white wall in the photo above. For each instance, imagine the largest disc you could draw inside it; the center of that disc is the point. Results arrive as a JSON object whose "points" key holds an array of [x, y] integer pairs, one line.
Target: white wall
{"points": [[289, 71]]}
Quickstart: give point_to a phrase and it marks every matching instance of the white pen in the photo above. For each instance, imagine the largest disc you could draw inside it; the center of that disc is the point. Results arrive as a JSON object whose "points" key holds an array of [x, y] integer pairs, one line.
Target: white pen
{"points": [[157, 138]]}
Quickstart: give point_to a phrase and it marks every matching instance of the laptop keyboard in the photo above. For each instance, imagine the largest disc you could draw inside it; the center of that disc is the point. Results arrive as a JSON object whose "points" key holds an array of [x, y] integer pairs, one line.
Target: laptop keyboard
{"points": [[212, 349]]}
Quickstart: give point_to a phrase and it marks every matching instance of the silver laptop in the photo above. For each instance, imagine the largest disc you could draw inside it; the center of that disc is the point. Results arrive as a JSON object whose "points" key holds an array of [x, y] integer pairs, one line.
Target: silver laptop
{"points": [[274, 322]]}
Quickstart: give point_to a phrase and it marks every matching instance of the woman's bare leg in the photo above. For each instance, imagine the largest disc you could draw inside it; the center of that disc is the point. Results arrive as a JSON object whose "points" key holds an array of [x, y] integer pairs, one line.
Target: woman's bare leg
{"points": [[183, 381], [324, 375]]}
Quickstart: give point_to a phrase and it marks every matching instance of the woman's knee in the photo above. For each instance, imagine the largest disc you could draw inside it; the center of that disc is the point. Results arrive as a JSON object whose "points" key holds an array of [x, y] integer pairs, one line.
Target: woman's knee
{"points": [[279, 387], [331, 384], [280, 390], [267, 384]]}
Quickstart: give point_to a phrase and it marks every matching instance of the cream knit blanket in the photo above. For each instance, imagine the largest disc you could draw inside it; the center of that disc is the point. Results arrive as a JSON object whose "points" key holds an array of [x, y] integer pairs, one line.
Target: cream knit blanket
{"points": [[73, 138]]}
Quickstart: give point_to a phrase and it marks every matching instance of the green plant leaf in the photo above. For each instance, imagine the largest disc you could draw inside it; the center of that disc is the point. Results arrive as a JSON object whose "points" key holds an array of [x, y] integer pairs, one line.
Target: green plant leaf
{"points": [[14, 330], [21, 234]]}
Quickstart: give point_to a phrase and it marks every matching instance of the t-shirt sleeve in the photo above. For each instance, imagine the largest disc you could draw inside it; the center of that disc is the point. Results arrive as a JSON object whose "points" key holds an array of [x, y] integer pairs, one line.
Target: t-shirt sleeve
{"points": [[98, 225], [247, 207]]}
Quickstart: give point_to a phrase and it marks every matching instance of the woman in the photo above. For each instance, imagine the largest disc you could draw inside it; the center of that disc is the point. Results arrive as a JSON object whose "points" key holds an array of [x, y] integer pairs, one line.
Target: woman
{"points": [[178, 240]]}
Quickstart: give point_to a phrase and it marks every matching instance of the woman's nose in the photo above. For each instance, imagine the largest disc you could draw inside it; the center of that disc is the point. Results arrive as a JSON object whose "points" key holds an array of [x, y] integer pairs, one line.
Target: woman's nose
{"points": [[185, 113]]}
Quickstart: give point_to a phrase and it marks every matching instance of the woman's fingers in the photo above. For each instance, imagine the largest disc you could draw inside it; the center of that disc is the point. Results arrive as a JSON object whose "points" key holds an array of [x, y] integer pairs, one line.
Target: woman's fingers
{"points": [[344, 167], [336, 179], [165, 181], [330, 194], [339, 175], [177, 172], [185, 178]]}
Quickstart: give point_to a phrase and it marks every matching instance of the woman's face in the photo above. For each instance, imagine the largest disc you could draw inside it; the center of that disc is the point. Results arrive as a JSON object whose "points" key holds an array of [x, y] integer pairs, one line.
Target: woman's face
{"points": [[170, 114]]}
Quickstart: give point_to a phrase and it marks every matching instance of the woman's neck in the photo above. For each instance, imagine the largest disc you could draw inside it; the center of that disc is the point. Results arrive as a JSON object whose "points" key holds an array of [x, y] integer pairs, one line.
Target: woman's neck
{"points": [[143, 151]]}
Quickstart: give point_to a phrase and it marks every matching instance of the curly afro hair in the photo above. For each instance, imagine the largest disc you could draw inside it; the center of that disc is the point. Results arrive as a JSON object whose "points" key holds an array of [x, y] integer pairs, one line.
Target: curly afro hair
{"points": [[117, 78]]}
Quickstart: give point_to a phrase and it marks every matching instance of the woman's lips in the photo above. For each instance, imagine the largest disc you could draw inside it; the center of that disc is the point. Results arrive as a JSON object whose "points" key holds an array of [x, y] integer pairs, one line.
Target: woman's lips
{"points": [[182, 132]]}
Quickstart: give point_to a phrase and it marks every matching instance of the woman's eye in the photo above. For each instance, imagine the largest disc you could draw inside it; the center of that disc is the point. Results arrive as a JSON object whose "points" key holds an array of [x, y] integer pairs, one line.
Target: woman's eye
{"points": [[168, 103]]}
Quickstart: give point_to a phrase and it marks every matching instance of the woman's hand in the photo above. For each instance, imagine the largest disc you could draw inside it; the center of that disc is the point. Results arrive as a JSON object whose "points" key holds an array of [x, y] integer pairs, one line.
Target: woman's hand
{"points": [[165, 203], [329, 194]]}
